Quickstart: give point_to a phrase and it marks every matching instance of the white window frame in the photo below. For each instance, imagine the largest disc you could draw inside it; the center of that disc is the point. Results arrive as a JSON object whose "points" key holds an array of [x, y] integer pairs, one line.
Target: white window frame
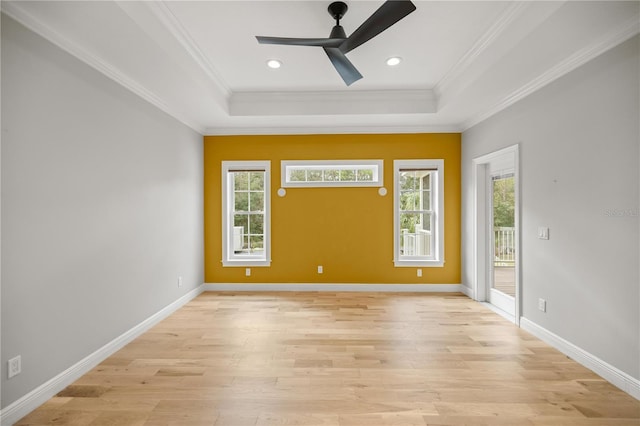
{"points": [[436, 259], [229, 258], [324, 165]]}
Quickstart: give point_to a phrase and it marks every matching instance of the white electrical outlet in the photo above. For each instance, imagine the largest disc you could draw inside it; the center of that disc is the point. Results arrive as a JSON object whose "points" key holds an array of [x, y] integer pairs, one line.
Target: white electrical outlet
{"points": [[15, 366], [247, 272], [320, 269], [419, 272], [179, 281], [542, 305]]}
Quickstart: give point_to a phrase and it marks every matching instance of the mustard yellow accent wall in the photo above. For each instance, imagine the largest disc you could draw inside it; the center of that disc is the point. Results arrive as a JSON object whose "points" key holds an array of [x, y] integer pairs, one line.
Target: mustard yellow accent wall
{"points": [[349, 231]]}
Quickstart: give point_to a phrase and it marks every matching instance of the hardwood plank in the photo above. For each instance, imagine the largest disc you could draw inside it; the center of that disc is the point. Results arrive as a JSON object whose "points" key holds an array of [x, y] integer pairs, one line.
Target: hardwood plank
{"points": [[314, 358]]}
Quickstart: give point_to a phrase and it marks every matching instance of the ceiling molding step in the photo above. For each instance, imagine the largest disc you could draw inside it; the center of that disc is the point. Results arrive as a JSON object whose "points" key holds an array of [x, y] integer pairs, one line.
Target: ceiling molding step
{"points": [[20, 15], [179, 32], [517, 22], [506, 18], [330, 130], [619, 35], [332, 103]]}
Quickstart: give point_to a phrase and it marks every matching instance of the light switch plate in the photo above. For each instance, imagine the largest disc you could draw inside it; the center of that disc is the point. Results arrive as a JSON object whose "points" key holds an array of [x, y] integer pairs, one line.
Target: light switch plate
{"points": [[543, 233], [542, 305]]}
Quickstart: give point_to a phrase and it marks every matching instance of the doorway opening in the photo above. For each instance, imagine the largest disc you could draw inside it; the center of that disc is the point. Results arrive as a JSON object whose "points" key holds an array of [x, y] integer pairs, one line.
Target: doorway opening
{"points": [[496, 249]]}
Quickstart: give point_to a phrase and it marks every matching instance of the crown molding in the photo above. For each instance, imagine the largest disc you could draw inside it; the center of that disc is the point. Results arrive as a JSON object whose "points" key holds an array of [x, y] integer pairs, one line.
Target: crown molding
{"points": [[332, 102], [506, 18], [14, 11], [334, 130], [620, 34], [173, 25]]}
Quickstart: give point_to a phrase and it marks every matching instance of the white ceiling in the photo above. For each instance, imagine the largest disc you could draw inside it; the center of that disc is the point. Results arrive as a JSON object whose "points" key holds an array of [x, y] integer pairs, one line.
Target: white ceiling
{"points": [[199, 61]]}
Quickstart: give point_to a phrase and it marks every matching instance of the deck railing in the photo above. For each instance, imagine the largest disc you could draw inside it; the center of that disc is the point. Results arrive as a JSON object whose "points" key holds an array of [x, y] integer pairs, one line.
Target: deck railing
{"points": [[504, 246], [415, 244]]}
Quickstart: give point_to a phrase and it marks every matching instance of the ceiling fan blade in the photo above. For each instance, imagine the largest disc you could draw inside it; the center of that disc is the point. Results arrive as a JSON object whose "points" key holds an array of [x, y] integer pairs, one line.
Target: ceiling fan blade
{"points": [[388, 14], [345, 68], [320, 42]]}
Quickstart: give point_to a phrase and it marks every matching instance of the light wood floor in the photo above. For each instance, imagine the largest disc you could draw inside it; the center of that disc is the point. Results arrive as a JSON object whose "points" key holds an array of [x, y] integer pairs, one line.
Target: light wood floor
{"points": [[337, 359], [504, 279]]}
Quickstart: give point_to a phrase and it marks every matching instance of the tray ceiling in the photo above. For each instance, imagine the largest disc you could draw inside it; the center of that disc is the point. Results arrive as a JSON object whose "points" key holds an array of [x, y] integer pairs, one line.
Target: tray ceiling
{"points": [[200, 62]]}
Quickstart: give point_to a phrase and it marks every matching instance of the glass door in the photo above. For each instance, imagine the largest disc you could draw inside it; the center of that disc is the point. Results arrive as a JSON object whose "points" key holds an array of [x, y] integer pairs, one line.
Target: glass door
{"points": [[502, 237]]}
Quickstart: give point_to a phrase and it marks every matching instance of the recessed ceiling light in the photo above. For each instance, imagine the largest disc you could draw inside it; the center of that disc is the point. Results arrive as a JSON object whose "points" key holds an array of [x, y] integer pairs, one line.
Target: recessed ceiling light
{"points": [[393, 61], [274, 63]]}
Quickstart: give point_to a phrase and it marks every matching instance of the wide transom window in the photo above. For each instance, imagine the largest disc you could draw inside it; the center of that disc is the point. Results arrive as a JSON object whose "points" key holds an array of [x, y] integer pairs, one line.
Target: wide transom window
{"points": [[418, 212], [318, 173], [246, 224]]}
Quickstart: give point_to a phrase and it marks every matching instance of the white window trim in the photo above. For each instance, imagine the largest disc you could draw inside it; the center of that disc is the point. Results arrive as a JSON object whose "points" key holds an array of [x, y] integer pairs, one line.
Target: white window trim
{"points": [[438, 212], [228, 258], [377, 181]]}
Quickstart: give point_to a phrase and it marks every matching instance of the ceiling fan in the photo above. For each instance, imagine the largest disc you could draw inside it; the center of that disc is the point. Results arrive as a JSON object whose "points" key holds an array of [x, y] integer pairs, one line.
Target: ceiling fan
{"points": [[338, 44]]}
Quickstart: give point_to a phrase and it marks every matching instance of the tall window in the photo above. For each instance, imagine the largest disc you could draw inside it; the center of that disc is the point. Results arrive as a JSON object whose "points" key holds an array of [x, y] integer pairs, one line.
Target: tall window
{"points": [[418, 212], [246, 208]]}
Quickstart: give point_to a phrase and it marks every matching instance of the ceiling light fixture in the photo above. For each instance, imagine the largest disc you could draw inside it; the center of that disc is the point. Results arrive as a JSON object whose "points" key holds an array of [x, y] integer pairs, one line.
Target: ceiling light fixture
{"points": [[393, 61], [274, 63]]}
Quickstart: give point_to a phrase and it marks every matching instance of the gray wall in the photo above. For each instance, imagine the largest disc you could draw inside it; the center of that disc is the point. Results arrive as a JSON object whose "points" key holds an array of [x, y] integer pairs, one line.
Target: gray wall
{"points": [[579, 154], [101, 209]]}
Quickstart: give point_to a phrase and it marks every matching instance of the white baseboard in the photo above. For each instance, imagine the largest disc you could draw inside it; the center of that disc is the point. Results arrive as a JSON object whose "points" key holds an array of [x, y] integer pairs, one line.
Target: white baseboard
{"points": [[610, 373], [23, 406], [391, 288], [468, 291]]}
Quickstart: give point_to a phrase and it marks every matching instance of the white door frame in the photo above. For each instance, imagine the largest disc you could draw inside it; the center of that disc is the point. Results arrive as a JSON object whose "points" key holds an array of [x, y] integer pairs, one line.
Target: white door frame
{"points": [[481, 256]]}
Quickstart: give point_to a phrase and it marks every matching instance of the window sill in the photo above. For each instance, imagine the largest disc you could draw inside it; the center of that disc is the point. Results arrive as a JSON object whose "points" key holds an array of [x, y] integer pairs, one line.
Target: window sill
{"points": [[246, 262], [418, 263]]}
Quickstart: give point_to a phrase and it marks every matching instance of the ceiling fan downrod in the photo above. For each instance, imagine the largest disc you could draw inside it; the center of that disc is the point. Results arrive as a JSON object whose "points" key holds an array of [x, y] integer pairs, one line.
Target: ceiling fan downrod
{"points": [[337, 9]]}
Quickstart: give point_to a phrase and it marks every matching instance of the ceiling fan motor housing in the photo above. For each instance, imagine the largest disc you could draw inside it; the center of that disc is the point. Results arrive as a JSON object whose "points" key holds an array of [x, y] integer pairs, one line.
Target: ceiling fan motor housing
{"points": [[338, 32], [337, 9]]}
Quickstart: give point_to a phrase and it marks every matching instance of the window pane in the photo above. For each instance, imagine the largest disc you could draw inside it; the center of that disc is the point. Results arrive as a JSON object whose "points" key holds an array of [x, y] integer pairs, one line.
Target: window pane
{"points": [[256, 181], [407, 180], [347, 175], [241, 202], [243, 247], [241, 220], [298, 176], [331, 175], [403, 181], [240, 181], [314, 175], [425, 222], [239, 233], [257, 201], [256, 224], [256, 243], [426, 181], [365, 175], [409, 200], [408, 222], [426, 200]]}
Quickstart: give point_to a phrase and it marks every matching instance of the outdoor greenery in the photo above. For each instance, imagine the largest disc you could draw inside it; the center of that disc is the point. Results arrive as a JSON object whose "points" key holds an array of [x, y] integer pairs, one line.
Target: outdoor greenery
{"points": [[331, 175], [415, 200], [248, 201], [503, 202]]}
